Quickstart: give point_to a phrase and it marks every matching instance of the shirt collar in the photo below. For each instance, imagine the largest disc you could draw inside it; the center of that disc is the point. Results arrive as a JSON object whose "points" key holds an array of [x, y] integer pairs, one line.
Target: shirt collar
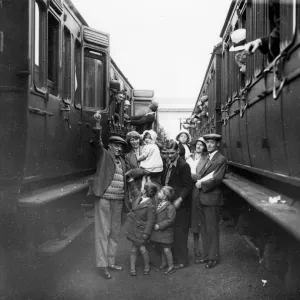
{"points": [[211, 155], [174, 163]]}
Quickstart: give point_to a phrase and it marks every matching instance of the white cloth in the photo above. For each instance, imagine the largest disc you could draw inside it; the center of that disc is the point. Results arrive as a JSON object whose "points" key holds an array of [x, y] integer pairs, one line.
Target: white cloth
{"points": [[193, 164], [153, 162], [211, 155], [187, 151]]}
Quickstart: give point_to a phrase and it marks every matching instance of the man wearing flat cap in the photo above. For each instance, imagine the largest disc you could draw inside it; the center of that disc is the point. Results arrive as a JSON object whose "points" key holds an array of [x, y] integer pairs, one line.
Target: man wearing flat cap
{"points": [[210, 199], [109, 189], [145, 121]]}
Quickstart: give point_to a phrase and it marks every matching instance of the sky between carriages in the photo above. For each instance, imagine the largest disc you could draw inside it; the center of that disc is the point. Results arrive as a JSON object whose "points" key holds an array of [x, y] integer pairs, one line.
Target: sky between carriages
{"points": [[163, 45]]}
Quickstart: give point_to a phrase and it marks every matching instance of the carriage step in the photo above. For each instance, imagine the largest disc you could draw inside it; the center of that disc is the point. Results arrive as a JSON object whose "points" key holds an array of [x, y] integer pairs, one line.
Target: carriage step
{"points": [[286, 213], [67, 236], [47, 195]]}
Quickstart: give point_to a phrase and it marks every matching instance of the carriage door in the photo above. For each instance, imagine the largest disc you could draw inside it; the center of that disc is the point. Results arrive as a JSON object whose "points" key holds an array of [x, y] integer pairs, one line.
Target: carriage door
{"points": [[95, 88]]}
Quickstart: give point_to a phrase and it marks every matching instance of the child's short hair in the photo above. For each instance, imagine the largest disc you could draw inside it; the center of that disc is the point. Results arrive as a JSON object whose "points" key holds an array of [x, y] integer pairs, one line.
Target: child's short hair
{"points": [[151, 189], [168, 191]]}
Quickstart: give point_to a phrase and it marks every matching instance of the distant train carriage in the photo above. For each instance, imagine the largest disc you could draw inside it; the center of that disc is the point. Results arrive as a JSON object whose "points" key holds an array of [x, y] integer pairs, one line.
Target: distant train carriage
{"points": [[55, 73], [257, 113]]}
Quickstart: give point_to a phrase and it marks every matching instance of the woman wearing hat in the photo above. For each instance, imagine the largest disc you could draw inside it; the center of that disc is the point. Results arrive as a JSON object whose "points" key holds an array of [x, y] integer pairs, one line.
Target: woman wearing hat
{"points": [[184, 138], [197, 161], [132, 164]]}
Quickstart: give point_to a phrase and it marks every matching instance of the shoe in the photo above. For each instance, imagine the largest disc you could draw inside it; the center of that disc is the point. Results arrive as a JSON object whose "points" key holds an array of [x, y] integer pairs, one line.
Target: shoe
{"points": [[146, 271], [132, 272], [170, 271], [162, 267], [211, 264], [201, 261], [179, 266], [104, 273], [115, 268], [197, 254]]}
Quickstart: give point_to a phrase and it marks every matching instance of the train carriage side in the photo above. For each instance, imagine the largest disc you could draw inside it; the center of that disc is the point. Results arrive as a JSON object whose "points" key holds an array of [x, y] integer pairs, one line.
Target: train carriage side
{"points": [[206, 116], [258, 124], [54, 76], [260, 133]]}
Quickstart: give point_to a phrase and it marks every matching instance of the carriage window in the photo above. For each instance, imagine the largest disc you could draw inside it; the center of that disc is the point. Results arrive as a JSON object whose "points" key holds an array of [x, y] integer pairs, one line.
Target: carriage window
{"points": [[38, 42], [77, 83], [53, 47], [94, 81], [67, 64]]}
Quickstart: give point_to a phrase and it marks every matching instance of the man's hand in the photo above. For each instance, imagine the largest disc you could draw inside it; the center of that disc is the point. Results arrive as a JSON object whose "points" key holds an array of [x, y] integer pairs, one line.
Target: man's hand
{"points": [[145, 236], [198, 184], [251, 47], [156, 227], [177, 202]]}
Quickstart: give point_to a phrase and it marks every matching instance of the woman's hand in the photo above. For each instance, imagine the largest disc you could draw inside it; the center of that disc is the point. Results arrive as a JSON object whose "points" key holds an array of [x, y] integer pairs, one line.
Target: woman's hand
{"points": [[156, 226]]}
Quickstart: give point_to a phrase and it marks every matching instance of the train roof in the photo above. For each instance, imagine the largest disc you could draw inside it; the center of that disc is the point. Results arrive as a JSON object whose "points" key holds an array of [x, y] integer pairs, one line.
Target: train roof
{"points": [[82, 20], [123, 76], [216, 47], [76, 12], [228, 17]]}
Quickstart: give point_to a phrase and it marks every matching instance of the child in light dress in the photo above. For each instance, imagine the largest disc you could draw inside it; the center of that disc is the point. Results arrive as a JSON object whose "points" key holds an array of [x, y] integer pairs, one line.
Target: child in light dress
{"points": [[150, 160]]}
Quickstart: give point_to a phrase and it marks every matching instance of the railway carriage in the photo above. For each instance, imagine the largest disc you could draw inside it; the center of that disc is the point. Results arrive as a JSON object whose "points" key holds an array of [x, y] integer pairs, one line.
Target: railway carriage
{"points": [[257, 113], [55, 73]]}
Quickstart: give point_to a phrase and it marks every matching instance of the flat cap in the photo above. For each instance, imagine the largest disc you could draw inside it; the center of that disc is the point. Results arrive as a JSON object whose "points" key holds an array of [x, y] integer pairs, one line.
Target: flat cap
{"points": [[116, 140], [212, 136]]}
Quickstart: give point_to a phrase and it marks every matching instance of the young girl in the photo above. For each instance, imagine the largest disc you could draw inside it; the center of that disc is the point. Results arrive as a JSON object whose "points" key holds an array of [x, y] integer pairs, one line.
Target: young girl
{"points": [[163, 233], [184, 138], [150, 159], [139, 225]]}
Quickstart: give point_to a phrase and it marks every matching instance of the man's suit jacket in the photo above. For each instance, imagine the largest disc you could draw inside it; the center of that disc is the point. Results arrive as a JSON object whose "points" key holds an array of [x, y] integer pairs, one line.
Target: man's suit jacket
{"points": [[210, 192], [180, 180]]}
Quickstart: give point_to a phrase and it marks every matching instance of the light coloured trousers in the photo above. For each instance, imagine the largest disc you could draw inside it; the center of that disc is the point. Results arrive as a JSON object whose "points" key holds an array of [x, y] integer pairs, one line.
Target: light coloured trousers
{"points": [[108, 215]]}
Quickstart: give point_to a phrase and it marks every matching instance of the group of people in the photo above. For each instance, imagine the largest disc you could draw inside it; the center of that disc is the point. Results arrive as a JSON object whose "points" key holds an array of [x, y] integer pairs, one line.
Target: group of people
{"points": [[165, 192]]}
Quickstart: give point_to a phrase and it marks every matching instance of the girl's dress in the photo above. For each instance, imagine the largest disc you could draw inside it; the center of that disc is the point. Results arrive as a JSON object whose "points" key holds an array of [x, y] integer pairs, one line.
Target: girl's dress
{"points": [[165, 216], [140, 220]]}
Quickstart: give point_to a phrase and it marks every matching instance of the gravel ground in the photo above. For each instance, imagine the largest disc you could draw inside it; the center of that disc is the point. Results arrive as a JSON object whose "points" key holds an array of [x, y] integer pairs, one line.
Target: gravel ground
{"points": [[71, 275]]}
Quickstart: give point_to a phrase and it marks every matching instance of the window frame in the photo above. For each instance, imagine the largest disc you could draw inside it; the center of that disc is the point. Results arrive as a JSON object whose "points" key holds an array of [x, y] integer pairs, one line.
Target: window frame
{"points": [[40, 88], [57, 84], [105, 56], [67, 66], [78, 53]]}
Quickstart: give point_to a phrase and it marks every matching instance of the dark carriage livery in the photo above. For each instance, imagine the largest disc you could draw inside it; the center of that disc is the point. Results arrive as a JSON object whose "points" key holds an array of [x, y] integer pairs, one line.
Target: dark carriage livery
{"points": [[257, 114], [55, 73]]}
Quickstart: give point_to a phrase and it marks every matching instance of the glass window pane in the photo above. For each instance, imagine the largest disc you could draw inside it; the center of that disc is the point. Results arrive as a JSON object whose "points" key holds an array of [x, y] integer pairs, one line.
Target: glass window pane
{"points": [[38, 46], [37, 35], [53, 44], [77, 84], [94, 90], [67, 65]]}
